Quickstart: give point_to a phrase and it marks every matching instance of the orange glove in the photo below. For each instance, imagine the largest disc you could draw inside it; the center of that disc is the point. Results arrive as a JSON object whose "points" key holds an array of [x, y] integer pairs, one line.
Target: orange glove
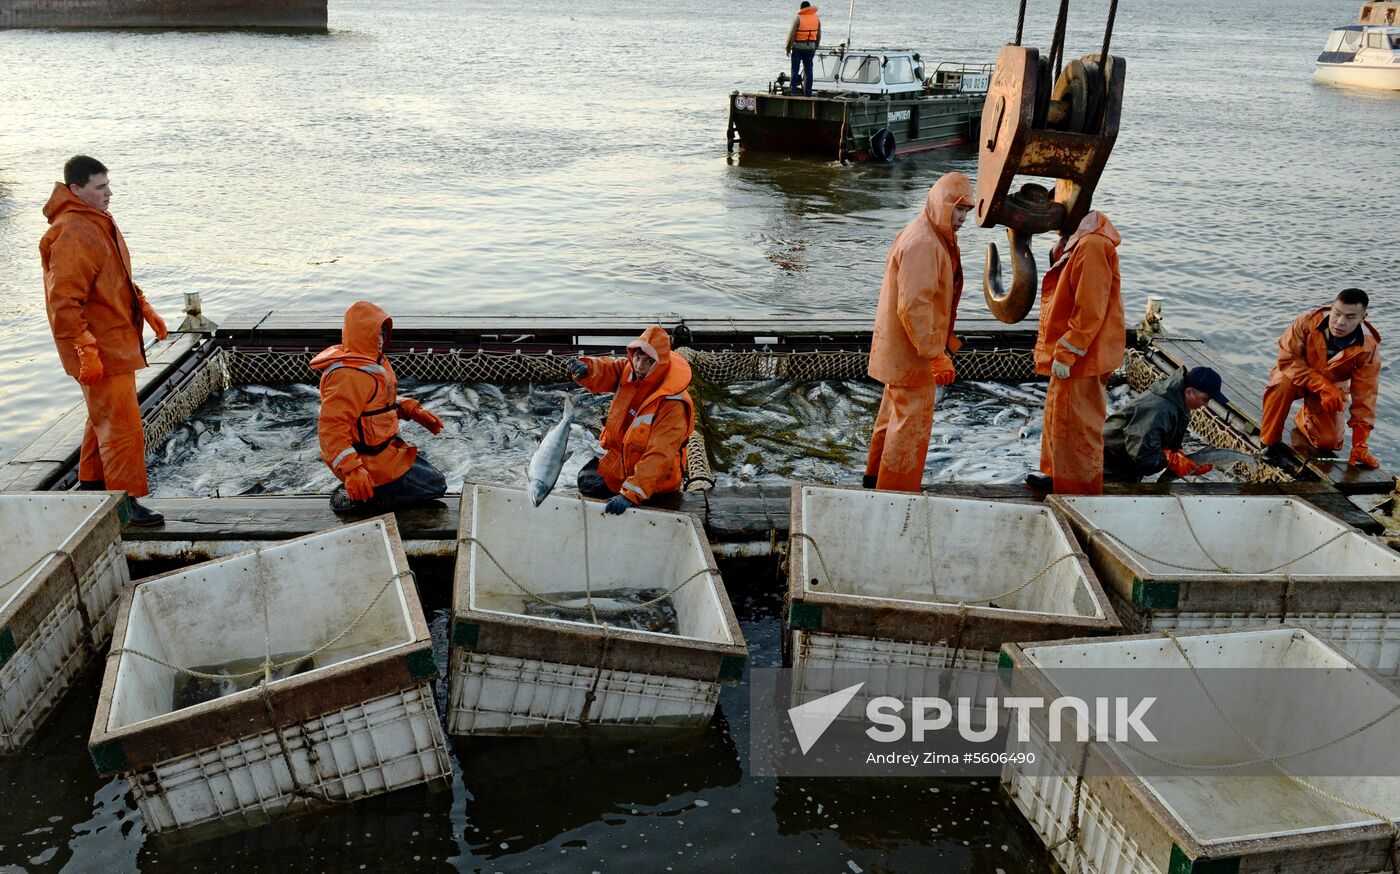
{"points": [[157, 324], [1332, 398], [358, 486], [943, 371], [89, 362], [1182, 465], [414, 412], [1361, 455]]}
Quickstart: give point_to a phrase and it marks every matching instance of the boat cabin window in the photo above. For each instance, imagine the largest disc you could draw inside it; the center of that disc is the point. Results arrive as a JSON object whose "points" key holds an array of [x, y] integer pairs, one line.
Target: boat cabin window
{"points": [[1395, 40], [1374, 40], [825, 67], [1341, 40], [861, 69], [899, 71]]}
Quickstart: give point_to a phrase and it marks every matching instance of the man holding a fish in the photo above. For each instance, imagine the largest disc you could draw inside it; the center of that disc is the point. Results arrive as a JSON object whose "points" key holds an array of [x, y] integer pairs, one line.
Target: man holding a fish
{"points": [[648, 423]]}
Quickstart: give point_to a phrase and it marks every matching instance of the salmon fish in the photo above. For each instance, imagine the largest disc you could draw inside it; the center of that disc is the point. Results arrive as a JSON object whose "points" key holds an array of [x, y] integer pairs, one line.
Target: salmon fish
{"points": [[549, 458]]}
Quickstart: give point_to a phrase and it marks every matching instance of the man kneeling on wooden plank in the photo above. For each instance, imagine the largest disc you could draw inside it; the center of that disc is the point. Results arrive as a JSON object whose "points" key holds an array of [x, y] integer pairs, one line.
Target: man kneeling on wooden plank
{"points": [[1144, 437]]}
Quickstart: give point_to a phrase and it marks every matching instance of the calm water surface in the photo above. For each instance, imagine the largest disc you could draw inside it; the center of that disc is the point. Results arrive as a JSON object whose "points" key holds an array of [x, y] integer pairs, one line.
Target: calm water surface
{"points": [[514, 157]]}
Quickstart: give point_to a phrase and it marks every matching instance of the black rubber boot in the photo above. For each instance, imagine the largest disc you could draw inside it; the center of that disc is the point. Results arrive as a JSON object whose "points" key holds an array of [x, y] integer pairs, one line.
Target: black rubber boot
{"points": [[868, 482], [1040, 481], [1279, 455], [142, 516], [91, 485]]}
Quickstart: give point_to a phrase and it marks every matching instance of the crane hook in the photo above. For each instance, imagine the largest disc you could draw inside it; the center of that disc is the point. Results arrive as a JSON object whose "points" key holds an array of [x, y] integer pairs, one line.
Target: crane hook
{"points": [[1013, 305]]}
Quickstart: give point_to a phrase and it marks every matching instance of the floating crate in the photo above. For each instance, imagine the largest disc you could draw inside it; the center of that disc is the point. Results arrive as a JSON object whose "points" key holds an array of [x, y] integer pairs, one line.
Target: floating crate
{"points": [[361, 722], [515, 673], [58, 552], [1344, 584], [1119, 820], [881, 580]]}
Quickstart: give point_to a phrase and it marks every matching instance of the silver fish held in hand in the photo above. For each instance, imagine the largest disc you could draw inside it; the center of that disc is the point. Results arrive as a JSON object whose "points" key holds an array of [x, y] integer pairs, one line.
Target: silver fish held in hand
{"points": [[549, 458]]}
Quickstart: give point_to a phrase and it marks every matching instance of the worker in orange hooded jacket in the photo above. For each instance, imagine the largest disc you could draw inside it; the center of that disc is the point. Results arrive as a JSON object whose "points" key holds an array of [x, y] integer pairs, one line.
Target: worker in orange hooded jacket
{"points": [[911, 350], [1079, 343], [95, 311], [359, 422], [649, 421], [1322, 355]]}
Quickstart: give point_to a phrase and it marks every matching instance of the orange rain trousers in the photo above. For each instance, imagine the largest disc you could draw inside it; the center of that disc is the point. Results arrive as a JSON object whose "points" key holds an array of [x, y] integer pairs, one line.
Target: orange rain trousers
{"points": [[114, 441], [1071, 447], [899, 446], [1323, 429]]}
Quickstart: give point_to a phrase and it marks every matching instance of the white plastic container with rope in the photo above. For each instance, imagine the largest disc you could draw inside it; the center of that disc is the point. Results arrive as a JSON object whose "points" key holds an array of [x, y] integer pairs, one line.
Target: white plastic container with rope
{"points": [[514, 671], [1191, 562], [61, 569], [898, 580], [336, 706], [1272, 751]]}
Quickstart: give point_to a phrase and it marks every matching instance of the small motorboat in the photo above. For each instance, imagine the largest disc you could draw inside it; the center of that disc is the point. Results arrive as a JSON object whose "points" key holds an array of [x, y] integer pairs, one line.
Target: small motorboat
{"points": [[1366, 54]]}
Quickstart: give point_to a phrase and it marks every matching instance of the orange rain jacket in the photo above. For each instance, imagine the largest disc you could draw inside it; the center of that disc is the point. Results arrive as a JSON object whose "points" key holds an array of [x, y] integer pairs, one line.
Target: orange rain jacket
{"points": [[644, 436], [919, 296], [806, 30], [360, 408], [88, 285], [1302, 351], [1081, 303]]}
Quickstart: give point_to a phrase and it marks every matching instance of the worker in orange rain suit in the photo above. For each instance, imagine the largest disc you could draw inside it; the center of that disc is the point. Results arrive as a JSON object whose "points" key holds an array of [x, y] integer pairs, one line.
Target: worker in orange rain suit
{"points": [[1079, 343], [1324, 353], [359, 423], [95, 310], [648, 424], [911, 350]]}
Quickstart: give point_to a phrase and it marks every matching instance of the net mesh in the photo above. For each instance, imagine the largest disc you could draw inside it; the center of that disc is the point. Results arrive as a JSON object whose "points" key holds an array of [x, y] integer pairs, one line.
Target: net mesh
{"points": [[238, 366]]}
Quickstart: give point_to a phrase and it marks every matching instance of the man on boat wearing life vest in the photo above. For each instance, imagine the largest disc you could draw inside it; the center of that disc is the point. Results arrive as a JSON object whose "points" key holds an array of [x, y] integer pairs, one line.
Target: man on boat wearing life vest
{"points": [[804, 38], [1080, 342], [359, 423], [95, 310], [1323, 355], [912, 347], [648, 424]]}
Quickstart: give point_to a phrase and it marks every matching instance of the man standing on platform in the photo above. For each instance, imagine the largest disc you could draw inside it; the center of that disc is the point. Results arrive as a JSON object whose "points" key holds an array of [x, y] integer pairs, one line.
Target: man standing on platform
{"points": [[911, 350], [95, 311], [804, 38], [1324, 354], [1079, 343]]}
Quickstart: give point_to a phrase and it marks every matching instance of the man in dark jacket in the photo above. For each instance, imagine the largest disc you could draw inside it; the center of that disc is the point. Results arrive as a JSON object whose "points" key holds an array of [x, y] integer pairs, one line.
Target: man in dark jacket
{"points": [[1145, 436]]}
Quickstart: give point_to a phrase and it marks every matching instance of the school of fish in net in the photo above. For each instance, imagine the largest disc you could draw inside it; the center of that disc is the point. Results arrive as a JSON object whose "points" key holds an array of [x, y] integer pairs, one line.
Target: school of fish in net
{"points": [[258, 439]]}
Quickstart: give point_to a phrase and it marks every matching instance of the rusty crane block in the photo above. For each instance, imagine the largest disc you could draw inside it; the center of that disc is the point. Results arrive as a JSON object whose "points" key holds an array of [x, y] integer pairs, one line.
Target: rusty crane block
{"points": [[1037, 125]]}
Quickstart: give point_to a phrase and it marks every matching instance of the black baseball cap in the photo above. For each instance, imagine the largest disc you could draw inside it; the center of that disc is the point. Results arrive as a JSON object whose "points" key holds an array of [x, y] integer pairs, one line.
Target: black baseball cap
{"points": [[1207, 380]]}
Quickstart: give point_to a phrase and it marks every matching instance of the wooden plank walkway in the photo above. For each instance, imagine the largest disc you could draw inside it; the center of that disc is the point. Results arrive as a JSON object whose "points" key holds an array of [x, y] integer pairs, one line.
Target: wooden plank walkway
{"points": [[198, 528], [39, 463]]}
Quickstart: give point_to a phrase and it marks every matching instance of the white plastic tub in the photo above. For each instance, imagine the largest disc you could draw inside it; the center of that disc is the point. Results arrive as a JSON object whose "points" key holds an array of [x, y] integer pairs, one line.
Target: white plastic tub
{"points": [[1286, 562], [360, 722], [887, 579], [1209, 822], [514, 673], [53, 545]]}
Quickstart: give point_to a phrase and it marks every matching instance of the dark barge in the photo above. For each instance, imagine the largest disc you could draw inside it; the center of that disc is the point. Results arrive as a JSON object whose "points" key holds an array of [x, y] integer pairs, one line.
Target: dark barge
{"points": [[866, 104], [281, 15]]}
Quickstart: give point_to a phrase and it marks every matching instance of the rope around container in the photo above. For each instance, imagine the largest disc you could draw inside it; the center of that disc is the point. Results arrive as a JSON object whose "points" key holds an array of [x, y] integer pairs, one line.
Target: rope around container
{"points": [[84, 619], [601, 611], [1275, 760]]}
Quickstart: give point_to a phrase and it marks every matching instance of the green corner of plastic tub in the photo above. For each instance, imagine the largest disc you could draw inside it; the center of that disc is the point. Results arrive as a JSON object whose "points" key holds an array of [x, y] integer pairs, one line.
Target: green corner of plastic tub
{"points": [[421, 664], [110, 758], [1156, 596], [1004, 667], [465, 634], [7, 644], [808, 616], [1183, 864], [731, 668]]}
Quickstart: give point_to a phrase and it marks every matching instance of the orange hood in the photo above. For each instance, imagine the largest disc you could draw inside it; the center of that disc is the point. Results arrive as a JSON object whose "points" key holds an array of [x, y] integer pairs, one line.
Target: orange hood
{"points": [[951, 189], [656, 343], [62, 200], [359, 338], [1093, 223]]}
